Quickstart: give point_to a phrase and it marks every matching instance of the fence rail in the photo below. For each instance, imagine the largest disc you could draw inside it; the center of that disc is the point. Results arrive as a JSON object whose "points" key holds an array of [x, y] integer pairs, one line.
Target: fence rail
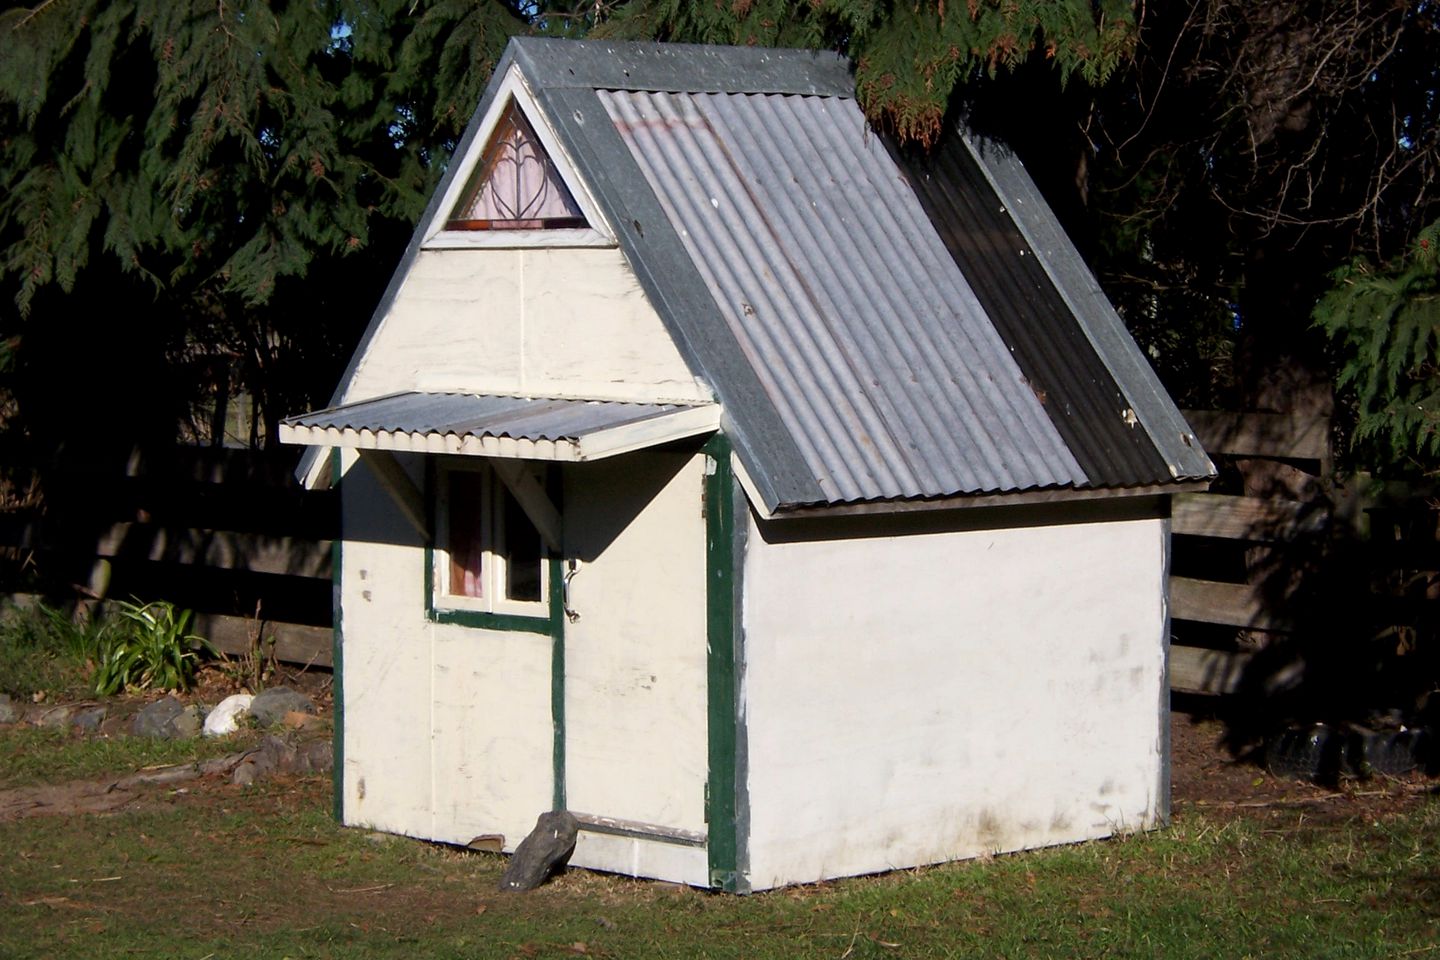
{"points": [[229, 534], [1242, 562]]}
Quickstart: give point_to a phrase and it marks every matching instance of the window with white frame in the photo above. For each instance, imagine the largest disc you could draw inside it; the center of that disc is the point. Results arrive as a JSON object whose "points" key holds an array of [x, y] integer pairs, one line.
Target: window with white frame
{"points": [[491, 558]]}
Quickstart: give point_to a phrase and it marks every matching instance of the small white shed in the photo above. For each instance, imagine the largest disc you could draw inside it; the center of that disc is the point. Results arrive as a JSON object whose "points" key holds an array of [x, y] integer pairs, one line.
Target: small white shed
{"points": [[784, 506]]}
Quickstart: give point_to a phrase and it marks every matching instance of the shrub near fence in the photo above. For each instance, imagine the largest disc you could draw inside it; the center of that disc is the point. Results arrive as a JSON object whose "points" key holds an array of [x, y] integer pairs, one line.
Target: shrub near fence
{"points": [[227, 533]]}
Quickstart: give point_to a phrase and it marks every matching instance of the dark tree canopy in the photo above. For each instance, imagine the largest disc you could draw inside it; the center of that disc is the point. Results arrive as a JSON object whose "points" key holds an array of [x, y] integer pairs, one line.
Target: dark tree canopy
{"points": [[193, 193], [190, 193]]}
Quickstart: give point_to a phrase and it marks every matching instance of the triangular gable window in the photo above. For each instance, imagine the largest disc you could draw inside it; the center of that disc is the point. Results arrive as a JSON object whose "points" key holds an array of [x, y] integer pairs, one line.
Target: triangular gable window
{"points": [[515, 186]]}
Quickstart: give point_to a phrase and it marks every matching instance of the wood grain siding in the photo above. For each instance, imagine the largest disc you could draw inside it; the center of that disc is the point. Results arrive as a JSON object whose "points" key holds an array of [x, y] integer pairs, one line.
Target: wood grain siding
{"points": [[1277, 528], [1245, 518], [1235, 604]]}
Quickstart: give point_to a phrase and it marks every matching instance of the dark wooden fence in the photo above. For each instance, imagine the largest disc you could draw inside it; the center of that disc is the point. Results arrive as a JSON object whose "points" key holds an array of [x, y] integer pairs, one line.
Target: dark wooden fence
{"points": [[231, 535], [1282, 550], [226, 533]]}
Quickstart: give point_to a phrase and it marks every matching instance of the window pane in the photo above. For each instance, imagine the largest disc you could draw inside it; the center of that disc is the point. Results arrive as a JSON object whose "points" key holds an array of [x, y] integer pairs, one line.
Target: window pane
{"points": [[516, 186], [465, 544], [522, 553]]}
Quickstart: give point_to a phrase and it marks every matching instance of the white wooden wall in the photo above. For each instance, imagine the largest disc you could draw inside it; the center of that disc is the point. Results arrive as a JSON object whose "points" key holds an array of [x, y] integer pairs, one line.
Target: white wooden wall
{"points": [[547, 322], [932, 697], [449, 731]]}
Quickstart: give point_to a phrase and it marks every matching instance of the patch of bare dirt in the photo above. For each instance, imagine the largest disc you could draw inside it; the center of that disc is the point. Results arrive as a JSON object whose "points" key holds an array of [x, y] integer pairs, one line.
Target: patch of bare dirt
{"points": [[109, 794], [1206, 777]]}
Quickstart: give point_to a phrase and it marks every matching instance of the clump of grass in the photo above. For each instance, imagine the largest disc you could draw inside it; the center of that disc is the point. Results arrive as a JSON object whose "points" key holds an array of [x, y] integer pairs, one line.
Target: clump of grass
{"points": [[43, 651]]}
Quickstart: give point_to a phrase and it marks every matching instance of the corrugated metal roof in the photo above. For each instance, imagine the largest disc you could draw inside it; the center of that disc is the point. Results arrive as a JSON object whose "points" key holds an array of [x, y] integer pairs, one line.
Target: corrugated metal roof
{"points": [[1080, 396], [840, 292], [855, 355], [481, 424], [1155, 410]]}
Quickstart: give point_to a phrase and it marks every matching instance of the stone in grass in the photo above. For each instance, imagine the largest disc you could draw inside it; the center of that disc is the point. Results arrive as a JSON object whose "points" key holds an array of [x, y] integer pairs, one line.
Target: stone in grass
{"points": [[226, 715], [274, 755], [542, 853], [269, 708], [9, 710], [168, 719], [188, 723], [88, 717], [154, 719]]}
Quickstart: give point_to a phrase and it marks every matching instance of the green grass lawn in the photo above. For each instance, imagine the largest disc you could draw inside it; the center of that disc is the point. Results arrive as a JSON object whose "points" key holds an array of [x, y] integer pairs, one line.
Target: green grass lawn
{"points": [[212, 870]]}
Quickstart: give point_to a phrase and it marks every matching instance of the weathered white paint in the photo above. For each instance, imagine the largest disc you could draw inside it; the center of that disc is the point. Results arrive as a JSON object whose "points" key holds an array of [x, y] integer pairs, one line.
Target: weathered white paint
{"points": [[386, 651], [553, 323], [949, 694], [635, 678], [448, 731], [491, 733], [639, 857]]}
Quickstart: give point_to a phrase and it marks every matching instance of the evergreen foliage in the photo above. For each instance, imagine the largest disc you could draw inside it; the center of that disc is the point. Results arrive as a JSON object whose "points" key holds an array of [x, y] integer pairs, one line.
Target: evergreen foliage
{"points": [[1385, 324], [910, 57], [193, 194], [228, 178]]}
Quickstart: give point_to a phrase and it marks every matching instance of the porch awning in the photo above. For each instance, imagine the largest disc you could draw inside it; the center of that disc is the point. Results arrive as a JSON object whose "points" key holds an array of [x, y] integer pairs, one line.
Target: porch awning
{"points": [[508, 427]]}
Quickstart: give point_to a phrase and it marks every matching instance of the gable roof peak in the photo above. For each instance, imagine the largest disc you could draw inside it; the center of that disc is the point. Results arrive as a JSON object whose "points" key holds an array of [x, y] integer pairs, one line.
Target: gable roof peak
{"points": [[681, 67]]}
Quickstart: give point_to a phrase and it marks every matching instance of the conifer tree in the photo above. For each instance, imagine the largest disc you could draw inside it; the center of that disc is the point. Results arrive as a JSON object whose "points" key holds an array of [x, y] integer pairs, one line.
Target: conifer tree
{"points": [[190, 191]]}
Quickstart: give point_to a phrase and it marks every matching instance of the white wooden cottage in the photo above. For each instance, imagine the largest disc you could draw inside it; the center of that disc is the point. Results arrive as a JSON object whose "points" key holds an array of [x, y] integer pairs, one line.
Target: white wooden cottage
{"points": [[783, 506]]}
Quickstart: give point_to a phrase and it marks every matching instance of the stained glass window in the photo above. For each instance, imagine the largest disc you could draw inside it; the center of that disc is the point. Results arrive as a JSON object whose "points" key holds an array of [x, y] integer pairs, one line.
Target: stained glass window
{"points": [[516, 185]]}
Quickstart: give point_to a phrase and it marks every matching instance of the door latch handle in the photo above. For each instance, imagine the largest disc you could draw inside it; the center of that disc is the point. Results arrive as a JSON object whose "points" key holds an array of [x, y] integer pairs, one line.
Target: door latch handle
{"points": [[572, 567]]}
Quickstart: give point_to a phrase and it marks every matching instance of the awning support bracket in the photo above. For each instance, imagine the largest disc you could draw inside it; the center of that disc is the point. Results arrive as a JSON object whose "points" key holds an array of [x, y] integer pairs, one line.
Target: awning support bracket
{"points": [[529, 490], [401, 488]]}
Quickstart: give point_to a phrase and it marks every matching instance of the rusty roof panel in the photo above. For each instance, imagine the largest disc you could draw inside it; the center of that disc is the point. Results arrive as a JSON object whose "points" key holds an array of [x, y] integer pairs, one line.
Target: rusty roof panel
{"points": [[1081, 397]]}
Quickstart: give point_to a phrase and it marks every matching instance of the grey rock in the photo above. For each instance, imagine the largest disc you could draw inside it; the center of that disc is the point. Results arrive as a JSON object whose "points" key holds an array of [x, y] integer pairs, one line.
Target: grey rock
{"points": [[274, 755], [10, 711], [56, 715], [187, 722], [269, 708], [542, 853], [88, 717], [261, 762], [155, 719], [317, 756]]}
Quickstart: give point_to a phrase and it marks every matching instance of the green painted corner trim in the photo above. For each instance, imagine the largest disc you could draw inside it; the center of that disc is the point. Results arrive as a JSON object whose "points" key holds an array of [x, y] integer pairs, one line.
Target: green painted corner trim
{"points": [[557, 679], [337, 654], [722, 797]]}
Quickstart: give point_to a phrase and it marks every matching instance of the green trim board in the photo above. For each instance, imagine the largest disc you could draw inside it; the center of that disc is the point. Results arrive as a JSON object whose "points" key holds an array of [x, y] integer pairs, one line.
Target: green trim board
{"points": [[726, 798], [557, 680], [337, 655]]}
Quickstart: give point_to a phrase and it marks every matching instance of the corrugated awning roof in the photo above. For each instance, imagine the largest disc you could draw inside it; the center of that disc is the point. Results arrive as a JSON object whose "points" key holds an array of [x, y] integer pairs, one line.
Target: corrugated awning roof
{"points": [[492, 426]]}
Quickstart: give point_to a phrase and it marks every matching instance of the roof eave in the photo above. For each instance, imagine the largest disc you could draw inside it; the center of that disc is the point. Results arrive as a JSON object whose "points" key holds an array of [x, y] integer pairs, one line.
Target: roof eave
{"points": [[1052, 495]]}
